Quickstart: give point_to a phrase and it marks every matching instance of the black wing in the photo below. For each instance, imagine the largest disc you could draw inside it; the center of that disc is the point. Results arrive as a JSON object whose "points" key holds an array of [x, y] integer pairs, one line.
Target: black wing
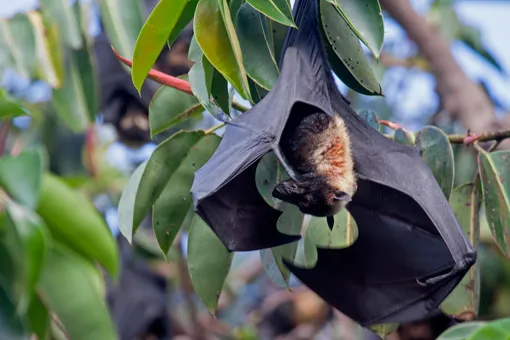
{"points": [[411, 251]]}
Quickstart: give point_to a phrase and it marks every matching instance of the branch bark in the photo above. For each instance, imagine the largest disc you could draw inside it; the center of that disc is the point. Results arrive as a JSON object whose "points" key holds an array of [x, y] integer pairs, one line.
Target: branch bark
{"points": [[460, 97]]}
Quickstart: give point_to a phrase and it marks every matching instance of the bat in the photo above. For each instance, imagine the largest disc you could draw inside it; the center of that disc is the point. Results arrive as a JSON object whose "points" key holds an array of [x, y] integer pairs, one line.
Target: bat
{"points": [[410, 252], [318, 148]]}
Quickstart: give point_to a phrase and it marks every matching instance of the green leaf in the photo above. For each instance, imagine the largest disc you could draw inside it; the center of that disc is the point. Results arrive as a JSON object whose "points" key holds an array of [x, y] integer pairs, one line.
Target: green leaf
{"points": [[149, 180], [365, 19], [72, 219], [127, 204], [200, 79], [76, 101], [461, 331], [219, 92], [354, 70], [9, 107], [39, 317], [278, 10], [488, 332], [184, 20], [61, 12], [306, 253], [465, 202], [169, 107], [122, 21], [403, 137], [437, 153], [175, 200], [21, 176], [69, 286], [268, 174], [153, 36], [278, 33], [495, 175], [29, 229], [216, 36], [343, 234], [208, 263], [50, 65], [257, 47], [11, 325], [384, 329], [370, 117], [18, 37]]}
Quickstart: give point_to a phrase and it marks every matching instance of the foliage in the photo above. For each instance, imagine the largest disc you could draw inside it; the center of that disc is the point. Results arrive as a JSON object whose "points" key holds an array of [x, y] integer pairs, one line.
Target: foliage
{"points": [[50, 232], [51, 238]]}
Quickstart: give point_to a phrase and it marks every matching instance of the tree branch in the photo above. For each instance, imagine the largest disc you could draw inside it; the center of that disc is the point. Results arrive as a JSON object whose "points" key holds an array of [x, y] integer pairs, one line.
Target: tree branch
{"points": [[174, 82], [462, 98]]}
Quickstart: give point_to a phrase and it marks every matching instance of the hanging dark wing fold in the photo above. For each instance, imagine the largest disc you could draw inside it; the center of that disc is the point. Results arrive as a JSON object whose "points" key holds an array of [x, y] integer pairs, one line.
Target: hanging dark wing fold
{"points": [[410, 252]]}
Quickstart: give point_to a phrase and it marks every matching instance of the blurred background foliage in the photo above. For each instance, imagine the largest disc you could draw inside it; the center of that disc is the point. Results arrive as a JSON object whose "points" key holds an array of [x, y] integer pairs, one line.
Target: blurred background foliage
{"points": [[76, 124]]}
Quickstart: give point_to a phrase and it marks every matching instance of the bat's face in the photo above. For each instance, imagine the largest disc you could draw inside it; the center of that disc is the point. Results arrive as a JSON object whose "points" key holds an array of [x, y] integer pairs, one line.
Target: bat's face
{"points": [[312, 196]]}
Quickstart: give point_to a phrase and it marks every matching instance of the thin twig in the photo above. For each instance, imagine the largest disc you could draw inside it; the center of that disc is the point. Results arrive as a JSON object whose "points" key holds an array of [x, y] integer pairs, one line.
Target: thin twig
{"points": [[214, 128], [174, 82], [466, 139]]}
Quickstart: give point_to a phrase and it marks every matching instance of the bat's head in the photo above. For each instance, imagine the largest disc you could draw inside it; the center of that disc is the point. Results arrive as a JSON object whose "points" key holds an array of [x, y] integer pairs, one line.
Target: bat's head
{"points": [[312, 196]]}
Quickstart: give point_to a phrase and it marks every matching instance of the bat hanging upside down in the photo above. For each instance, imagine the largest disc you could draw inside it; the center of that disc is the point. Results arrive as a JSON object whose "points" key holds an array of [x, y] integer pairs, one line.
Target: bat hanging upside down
{"points": [[317, 148]]}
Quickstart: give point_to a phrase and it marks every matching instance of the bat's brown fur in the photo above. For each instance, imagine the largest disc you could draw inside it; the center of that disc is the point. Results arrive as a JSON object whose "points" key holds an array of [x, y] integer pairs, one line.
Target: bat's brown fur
{"points": [[317, 147]]}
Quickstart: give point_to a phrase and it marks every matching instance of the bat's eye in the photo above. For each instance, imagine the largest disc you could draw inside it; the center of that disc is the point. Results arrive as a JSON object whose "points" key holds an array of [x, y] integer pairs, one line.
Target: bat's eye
{"points": [[342, 196]]}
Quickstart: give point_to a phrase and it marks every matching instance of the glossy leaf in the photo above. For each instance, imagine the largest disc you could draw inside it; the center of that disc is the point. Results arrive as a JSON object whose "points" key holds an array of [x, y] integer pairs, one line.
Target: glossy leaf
{"points": [[9, 107], [348, 50], [122, 21], [72, 219], [153, 36], [29, 229], [257, 47], [61, 12], [343, 234], [169, 107], [175, 200], [200, 79], [495, 175], [436, 151], [38, 317], [208, 263], [461, 331], [216, 36], [11, 324], [50, 65], [69, 286], [76, 100], [370, 117], [268, 174], [278, 10], [185, 18], [403, 137], [219, 92], [20, 176], [278, 33], [127, 204], [306, 253], [465, 202], [365, 19]]}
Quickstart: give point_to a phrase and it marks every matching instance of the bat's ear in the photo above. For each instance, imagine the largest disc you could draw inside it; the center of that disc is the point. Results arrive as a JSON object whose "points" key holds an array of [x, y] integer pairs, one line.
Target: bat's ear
{"points": [[342, 196], [288, 191]]}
